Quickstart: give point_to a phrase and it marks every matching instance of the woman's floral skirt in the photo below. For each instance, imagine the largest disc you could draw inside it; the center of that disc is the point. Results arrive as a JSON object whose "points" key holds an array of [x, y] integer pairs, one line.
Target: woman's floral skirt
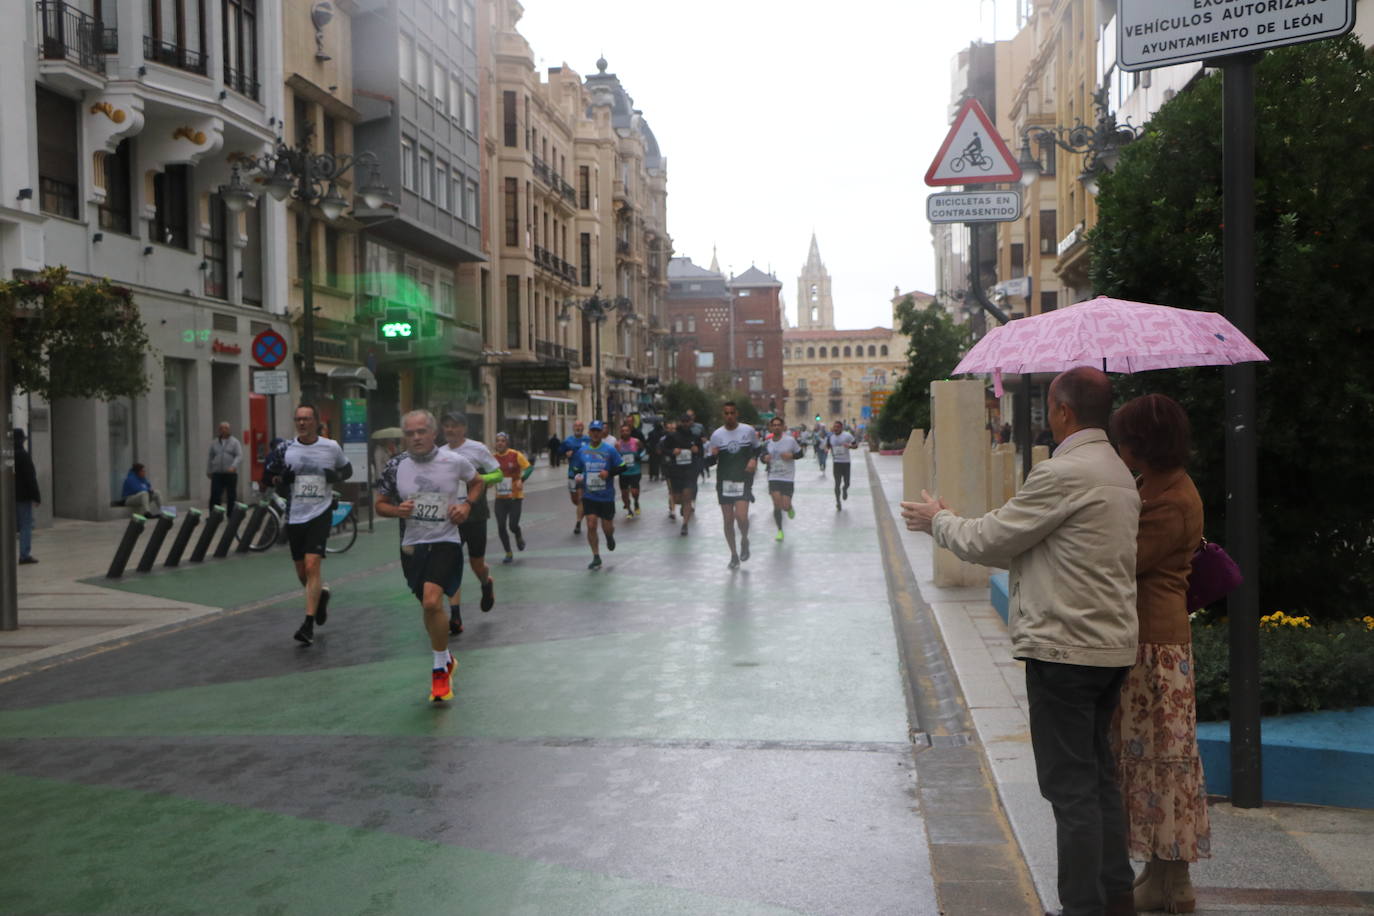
{"points": [[1154, 740]]}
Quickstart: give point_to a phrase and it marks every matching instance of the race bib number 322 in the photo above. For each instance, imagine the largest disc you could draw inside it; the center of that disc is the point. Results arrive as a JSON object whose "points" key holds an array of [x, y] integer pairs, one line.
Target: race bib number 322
{"points": [[430, 507]]}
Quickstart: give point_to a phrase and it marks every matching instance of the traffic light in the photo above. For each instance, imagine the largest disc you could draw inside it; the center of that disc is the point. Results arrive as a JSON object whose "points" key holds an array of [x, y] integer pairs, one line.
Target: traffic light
{"points": [[818, 418]]}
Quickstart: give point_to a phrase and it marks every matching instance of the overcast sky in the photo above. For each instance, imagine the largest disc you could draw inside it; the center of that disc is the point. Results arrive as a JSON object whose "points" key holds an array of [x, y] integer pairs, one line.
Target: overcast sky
{"points": [[778, 117]]}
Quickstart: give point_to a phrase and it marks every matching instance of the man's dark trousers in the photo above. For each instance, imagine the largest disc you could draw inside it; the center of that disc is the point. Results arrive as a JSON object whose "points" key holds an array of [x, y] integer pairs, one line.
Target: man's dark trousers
{"points": [[1071, 710], [224, 486]]}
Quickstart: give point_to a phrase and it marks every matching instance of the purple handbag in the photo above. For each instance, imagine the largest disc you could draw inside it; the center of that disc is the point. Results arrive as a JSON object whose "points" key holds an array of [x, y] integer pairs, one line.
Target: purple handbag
{"points": [[1215, 575]]}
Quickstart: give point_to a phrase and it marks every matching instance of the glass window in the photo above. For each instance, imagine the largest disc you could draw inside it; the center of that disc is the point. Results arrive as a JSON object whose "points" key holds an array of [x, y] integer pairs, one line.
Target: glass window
{"points": [[455, 99], [408, 163], [846, 352], [883, 350], [706, 359], [215, 249], [176, 430], [441, 185], [755, 381], [57, 154], [691, 324], [446, 304], [458, 209], [469, 23], [407, 58], [422, 71], [116, 213], [470, 112], [426, 174], [172, 204], [872, 350], [470, 207], [440, 85]]}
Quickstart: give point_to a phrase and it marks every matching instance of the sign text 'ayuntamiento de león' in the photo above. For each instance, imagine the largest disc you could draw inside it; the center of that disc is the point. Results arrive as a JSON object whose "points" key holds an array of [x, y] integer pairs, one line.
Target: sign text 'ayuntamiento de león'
{"points": [[1156, 33]]}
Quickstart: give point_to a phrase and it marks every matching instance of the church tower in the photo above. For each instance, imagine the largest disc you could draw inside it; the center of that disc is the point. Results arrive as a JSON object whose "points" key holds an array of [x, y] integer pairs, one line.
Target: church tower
{"points": [[815, 309]]}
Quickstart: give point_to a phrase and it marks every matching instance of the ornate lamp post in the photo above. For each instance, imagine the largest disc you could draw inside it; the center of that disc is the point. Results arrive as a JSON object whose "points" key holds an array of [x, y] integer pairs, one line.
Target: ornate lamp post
{"points": [[597, 309], [1099, 143], [312, 179]]}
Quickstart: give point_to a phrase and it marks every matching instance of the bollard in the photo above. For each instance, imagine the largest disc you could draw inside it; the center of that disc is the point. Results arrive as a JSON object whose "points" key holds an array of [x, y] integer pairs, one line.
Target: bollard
{"points": [[226, 540], [126, 546], [208, 533], [254, 523], [183, 538], [163, 525]]}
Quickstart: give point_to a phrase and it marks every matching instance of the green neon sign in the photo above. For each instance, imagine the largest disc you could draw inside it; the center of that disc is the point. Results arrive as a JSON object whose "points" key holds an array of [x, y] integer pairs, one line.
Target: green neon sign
{"points": [[394, 330]]}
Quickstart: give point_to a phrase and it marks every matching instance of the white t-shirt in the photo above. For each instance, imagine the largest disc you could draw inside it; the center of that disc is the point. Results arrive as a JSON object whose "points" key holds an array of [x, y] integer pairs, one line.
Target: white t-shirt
{"points": [[780, 468], [435, 483], [478, 455], [310, 492], [734, 449], [840, 446]]}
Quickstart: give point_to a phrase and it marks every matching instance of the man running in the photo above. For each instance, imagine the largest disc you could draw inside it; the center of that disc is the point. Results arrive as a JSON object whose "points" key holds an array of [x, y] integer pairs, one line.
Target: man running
{"points": [[681, 454], [510, 492], [594, 465], [570, 446], [304, 468], [781, 452], [631, 450], [474, 527], [735, 448], [839, 442], [821, 449], [424, 486]]}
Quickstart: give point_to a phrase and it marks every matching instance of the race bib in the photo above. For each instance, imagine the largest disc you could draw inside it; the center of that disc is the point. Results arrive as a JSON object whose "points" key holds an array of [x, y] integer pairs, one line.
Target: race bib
{"points": [[504, 487], [684, 456], [594, 483], [627, 460], [430, 507], [732, 488], [309, 486]]}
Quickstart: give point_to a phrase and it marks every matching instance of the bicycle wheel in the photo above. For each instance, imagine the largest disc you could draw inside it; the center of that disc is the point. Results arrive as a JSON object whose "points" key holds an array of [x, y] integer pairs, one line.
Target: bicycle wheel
{"points": [[342, 535], [267, 533], [985, 163], [956, 164]]}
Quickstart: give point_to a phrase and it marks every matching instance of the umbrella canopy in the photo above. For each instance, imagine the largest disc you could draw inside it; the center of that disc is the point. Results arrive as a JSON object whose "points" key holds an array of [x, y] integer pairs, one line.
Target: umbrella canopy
{"points": [[390, 432], [1113, 334]]}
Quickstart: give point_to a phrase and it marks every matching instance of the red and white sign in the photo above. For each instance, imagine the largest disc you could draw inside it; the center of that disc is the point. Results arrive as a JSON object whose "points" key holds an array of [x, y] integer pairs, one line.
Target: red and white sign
{"points": [[973, 152]]}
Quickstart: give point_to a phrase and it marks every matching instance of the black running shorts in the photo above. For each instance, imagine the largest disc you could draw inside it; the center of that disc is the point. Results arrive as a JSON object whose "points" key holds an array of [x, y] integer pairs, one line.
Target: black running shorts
{"points": [[683, 485], [474, 534], [601, 508], [784, 487], [629, 482], [724, 500], [441, 564], [309, 537]]}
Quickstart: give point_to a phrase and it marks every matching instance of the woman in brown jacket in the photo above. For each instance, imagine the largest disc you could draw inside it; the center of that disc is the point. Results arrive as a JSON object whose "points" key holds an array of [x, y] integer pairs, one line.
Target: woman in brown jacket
{"points": [[1154, 736]]}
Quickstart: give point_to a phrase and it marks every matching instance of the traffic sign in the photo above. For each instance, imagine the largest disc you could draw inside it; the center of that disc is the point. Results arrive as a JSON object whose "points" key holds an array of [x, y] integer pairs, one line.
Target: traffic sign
{"points": [[271, 381], [974, 207], [973, 152], [269, 349], [1157, 33]]}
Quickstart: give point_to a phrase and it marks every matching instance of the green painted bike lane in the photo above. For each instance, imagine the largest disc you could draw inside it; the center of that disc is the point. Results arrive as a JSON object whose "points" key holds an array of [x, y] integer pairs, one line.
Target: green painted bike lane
{"points": [[692, 712]]}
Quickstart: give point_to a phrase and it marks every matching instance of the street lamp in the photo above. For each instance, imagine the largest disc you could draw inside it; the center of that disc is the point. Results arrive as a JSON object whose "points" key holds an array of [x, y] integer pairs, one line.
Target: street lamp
{"points": [[597, 309], [311, 178], [1099, 143]]}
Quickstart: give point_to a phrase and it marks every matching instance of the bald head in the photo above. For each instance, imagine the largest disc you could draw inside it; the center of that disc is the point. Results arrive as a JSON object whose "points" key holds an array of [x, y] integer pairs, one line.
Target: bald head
{"points": [[1087, 395]]}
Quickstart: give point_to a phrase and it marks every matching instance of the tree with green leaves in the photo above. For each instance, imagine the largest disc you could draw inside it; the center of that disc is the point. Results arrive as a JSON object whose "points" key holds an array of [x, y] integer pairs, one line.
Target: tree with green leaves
{"points": [[1159, 239], [680, 396], [935, 348]]}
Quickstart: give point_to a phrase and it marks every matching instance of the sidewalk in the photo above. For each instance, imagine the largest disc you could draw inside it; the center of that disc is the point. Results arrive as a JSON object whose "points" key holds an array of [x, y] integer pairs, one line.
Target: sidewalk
{"points": [[1288, 859]]}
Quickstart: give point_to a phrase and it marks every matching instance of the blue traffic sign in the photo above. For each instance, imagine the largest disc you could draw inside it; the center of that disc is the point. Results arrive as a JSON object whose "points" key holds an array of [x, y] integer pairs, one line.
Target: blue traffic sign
{"points": [[269, 349]]}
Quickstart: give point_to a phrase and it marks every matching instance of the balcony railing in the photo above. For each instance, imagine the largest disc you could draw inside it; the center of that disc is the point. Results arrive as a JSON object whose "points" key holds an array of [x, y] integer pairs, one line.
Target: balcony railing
{"points": [[568, 191], [171, 55], [541, 170], [71, 35], [242, 83], [622, 247]]}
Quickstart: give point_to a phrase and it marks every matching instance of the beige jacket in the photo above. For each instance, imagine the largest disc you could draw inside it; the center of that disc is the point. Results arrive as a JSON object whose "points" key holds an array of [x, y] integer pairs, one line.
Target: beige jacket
{"points": [[1069, 538]]}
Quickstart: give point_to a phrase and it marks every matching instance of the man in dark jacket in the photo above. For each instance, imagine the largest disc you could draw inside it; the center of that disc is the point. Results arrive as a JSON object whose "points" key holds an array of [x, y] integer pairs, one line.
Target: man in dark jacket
{"points": [[26, 496]]}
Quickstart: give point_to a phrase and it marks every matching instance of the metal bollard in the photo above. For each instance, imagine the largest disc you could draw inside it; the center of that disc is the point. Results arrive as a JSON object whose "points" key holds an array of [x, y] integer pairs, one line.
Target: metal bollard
{"points": [[254, 523], [126, 546], [226, 540], [163, 525], [207, 534], [183, 538]]}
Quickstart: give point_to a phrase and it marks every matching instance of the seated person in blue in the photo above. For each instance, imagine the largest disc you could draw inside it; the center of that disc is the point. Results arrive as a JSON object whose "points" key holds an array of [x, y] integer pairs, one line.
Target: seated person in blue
{"points": [[139, 494]]}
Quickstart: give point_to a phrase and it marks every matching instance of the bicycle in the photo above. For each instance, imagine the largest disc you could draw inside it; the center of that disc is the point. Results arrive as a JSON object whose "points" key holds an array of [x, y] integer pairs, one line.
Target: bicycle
{"points": [[974, 158], [343, 526]]}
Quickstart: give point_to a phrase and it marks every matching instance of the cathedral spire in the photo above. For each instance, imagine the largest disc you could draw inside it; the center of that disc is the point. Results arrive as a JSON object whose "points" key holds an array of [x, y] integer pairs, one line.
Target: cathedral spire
{"points": [[715, 264], [815, 308], [813, 258]]}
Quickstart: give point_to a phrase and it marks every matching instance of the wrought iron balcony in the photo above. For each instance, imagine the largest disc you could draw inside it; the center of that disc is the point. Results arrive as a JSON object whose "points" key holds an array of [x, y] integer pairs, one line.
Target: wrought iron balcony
{"points": [[71, 35], [242, 83], [541, 170], [622, 246], [172, 55]]}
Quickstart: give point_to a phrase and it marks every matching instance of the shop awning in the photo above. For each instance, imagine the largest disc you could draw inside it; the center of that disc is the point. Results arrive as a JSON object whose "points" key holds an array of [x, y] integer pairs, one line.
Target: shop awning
{"points": [[544, 397]]}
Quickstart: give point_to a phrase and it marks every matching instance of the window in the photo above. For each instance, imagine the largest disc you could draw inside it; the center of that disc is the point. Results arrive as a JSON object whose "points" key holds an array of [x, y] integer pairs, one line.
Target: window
{"points": [[407, 58], [882, 351], [474, 213], [1018, 260], [1049, 232], [408, 163], [846, 352], [175, 33], [810, 352], [677, 325], [422, 71], [706, 359], [584, 244], [872, 350], [426, 174], [172, 205], [470, 112], [469, 24], [250, 263], [455, 99], [300, 116], [331, 256], [440, 85], [691, 324], [241, 47], [744, 292], [836, 407], [512, 214], [834, 352], [584, 186], [57, 154], [441, 185], [836, 386], [116, 212], [512, 312], [447, 304], [801, 387], [755, 381], [215, 248], [458, 184], [1049, 300], [510, 128]]}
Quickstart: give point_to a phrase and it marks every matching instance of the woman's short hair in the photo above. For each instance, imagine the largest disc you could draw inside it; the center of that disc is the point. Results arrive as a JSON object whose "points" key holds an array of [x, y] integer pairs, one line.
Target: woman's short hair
{"points": [[1156, 430], [136, 468]]}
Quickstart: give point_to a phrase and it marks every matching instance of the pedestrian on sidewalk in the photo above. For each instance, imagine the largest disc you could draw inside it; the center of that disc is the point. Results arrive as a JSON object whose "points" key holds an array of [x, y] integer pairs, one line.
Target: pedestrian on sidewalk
{"points": [[222, 467], [1069, 538], [1154, 734], [555, 447], [26, 496], [138, 493]]}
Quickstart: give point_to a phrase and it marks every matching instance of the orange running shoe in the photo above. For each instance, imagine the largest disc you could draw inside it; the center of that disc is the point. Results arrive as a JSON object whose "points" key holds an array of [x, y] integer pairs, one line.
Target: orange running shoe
{"points": [[441, 687]]}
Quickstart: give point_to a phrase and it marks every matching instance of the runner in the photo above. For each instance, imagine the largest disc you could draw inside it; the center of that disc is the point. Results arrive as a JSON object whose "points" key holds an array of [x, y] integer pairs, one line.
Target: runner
{"points": [[681, 455], [631, 451], [303, 469], [570, 446], [474, 528], [821, 449], [782, 452], [594, 465], [735, 448], [424, 486], [510, 492], [839, 442], [666, 463]]}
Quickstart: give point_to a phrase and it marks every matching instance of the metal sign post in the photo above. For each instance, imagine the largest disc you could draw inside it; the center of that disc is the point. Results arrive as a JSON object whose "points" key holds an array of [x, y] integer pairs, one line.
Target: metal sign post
{"points": [[9, 570]]}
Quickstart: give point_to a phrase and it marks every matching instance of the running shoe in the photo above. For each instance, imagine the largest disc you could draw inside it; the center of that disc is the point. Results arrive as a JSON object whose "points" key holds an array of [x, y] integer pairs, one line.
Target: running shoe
{"points": [[488, 595], [672, 517], [455, 621], [837, 505], [846, 492], [791, 513], [519, 541], [306, 634], [322, 607], [778, 537], [683, 532], [577, 529], [744, 550], [610, 541], [734, 562], [441, 684], [595, 563], [509, 558]]}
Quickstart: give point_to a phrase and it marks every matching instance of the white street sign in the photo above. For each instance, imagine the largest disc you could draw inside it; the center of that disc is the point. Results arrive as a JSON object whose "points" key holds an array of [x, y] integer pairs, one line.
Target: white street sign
{"points": [[271, 381], [1157, 33], [973, 152], [974, 207]]}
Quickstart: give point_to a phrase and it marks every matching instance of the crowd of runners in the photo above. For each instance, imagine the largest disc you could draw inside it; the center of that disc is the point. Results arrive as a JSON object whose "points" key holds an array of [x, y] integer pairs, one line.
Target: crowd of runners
{"points": [[440, 486]]}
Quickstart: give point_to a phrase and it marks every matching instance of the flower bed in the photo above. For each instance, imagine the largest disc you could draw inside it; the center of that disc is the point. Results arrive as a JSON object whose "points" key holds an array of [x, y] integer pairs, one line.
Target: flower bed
{"points": [[1304, 667]]}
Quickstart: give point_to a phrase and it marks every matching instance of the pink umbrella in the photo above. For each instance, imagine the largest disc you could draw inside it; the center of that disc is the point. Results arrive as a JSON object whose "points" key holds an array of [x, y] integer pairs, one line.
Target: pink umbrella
{"points": [[1114, 334]]}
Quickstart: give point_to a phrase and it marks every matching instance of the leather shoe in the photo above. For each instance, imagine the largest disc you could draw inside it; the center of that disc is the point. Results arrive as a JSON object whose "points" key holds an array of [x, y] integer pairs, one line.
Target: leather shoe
{"points": [[1117, 905]]}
